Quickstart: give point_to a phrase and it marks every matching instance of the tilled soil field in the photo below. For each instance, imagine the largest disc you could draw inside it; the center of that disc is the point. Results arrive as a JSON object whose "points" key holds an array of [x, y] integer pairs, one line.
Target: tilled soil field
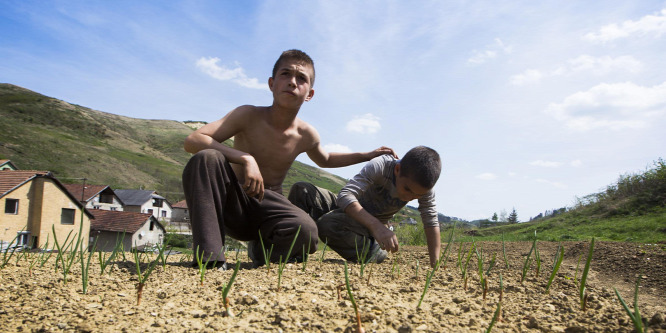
{"points": [[309, 301]]}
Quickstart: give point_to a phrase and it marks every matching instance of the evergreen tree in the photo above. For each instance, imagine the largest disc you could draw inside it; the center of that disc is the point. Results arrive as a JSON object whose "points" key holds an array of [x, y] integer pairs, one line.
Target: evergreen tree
{"points": [[513, 217], [494, 218]]}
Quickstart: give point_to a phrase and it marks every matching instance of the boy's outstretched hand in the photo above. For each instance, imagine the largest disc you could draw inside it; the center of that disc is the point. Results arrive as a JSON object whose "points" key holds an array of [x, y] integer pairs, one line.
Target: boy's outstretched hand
{"points": [[383, 151]]}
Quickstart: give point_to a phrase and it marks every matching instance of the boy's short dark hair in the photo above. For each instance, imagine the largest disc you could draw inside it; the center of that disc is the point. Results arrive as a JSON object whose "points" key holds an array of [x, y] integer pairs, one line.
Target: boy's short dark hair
{"points": [[297, 55], [421, 164]]}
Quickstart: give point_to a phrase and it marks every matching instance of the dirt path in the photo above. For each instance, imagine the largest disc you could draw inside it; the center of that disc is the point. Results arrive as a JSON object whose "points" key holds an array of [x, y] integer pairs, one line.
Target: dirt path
{"points": [[174, 300]]}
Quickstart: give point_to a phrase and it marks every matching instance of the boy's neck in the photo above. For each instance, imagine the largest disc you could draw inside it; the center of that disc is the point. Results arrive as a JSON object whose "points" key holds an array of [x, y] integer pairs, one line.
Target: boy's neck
{"points": [[280, 117]]}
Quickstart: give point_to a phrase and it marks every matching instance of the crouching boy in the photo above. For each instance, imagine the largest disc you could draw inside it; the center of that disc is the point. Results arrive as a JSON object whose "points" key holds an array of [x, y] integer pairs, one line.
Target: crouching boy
{"points": [[358, 217]]}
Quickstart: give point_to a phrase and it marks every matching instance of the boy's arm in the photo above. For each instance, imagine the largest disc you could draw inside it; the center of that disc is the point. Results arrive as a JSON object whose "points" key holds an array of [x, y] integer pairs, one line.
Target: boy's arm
{"points": [[434, 244], [213, 134], [325, 159], [385, 238]]}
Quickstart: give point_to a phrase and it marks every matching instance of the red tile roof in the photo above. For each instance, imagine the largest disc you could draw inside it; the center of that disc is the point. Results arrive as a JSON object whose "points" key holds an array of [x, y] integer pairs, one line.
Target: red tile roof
{"points": [[88, 193], [109, 220], [180, 204], [11, 179]]}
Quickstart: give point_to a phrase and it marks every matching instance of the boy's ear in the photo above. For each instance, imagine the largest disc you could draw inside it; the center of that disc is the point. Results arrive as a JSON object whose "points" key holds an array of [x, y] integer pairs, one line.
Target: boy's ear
{"points": [[310, 95], [396, 170], [270, 83]]}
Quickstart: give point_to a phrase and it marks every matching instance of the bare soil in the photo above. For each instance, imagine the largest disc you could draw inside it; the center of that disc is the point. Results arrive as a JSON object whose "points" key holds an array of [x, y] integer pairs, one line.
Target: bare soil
{"points": [[175, 301]]}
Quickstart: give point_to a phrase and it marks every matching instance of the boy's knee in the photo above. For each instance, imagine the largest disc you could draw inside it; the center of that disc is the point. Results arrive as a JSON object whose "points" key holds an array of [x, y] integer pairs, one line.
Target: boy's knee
{"points": [[208, 155]]}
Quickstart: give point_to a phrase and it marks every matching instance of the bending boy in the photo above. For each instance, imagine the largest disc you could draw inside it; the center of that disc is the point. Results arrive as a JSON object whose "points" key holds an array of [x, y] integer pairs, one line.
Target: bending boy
{"points": [[371, 198], [225, 186]]}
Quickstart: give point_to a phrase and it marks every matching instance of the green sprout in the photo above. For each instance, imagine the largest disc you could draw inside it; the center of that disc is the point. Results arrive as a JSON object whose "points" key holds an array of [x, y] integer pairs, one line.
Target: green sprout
{"points": [[362, 258], [142, 276], [636, 315], [267, 254], [227, 288], [583, 278], [495, 317], [556, 267], [282, 264], [85, 266], [359, 327], [103, 260]]}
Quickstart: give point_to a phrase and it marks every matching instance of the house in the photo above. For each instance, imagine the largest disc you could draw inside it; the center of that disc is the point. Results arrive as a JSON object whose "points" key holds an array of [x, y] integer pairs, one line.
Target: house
{"points": [[7, 165], [96, 196], [35, 203], [180, 212], [139, 229], [145, 201]]}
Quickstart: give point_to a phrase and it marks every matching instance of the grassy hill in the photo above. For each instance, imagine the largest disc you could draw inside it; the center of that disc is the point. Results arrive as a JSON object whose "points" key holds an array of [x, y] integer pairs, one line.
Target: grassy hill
{"points": [[42, 133], [632, 209]]}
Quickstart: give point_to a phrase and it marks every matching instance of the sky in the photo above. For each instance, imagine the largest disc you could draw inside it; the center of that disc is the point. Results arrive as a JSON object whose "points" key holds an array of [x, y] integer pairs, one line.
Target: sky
{"points": [[531, 104]]}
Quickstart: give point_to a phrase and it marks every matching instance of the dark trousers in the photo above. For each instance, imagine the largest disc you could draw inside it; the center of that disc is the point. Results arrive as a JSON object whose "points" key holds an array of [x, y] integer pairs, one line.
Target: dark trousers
{"points": [[338, 230], [219, 206]]}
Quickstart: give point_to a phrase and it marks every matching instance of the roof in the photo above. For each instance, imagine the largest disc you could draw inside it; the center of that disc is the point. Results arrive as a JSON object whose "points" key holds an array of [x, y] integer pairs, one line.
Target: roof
{"points": [[89, 192], [180, 204], [135, 197], [9, 163], [12, 179], [119, 221]]}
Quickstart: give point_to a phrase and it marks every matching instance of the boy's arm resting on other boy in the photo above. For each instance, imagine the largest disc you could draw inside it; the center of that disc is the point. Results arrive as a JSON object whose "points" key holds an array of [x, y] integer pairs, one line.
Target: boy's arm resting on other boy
{"points": [[434, 243], [325, 159], [385, 238]]}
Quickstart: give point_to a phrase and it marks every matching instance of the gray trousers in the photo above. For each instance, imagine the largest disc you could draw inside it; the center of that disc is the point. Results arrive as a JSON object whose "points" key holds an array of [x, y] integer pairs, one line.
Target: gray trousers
{"points": [[218, 206], [339, 231]]}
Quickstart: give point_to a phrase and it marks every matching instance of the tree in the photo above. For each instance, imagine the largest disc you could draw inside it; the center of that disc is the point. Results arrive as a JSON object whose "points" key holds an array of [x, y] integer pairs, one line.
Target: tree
{"points": [[494, 218], [513, 217]]}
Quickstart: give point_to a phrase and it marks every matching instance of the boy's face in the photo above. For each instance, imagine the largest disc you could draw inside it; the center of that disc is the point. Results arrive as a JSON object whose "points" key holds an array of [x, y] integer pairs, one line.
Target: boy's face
{"points": [[291, 85], [407, 188]]}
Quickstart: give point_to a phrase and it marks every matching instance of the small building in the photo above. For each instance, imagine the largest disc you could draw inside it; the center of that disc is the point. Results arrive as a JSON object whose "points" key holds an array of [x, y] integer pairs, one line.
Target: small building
{"points": [[7, 165], [138, 229], [180, 212], [35, 204], [145, 201], [96, 196]]}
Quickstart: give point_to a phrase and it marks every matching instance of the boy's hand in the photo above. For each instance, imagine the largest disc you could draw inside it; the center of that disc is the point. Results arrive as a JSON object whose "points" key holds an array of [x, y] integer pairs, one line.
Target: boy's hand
{"points": [[254, 182], [383, 151], [386, 239]]}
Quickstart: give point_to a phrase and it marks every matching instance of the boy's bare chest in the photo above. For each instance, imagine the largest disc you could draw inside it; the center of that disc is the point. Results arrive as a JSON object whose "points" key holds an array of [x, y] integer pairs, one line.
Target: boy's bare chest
{"points": [[269, 145]]}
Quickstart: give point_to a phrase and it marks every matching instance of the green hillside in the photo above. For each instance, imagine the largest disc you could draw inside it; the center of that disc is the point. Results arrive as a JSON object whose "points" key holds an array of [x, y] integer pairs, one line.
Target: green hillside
{"points": [[42, 133], [632, 209]]}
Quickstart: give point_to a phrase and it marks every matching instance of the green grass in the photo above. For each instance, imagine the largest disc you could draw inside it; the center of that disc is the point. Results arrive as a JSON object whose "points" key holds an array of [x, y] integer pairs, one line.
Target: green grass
{"points": [[573, 226]]}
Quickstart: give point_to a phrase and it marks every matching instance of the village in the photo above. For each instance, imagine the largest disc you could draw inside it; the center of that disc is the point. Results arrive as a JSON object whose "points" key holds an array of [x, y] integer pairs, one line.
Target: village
{"points": [[39, 206]]}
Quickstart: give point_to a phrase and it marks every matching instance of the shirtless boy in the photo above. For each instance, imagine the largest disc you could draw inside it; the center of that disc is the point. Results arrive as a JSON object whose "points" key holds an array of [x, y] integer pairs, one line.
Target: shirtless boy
{"points": [[238, 191]]}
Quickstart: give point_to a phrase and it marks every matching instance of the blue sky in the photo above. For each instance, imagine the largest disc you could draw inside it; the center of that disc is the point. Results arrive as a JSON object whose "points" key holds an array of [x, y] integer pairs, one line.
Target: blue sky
{"points": [[530, 103]]}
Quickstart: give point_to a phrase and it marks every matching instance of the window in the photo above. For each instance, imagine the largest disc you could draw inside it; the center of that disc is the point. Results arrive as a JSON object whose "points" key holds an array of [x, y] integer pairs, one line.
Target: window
{"points": [[164, 213], [150, 211], [152, 225], [106, 198], [67, 216], [114, 208], [22, 239], [157, 202], [11, 206]]}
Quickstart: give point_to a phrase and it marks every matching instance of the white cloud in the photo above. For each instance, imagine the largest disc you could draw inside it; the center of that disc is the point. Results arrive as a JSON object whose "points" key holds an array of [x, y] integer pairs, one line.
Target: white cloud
{"points": [[334, 147], [645, 25], [576, 163], [527, 77], [491, 52], [603, 65], [612, 106], [237, 75], [486, 176], [551, 183], [584, 64], [545, 164], [365, 124]]}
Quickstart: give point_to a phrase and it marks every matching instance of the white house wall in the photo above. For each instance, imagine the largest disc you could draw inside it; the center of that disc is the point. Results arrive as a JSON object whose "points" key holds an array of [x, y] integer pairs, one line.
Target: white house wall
{"points": [[145, 236]]}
